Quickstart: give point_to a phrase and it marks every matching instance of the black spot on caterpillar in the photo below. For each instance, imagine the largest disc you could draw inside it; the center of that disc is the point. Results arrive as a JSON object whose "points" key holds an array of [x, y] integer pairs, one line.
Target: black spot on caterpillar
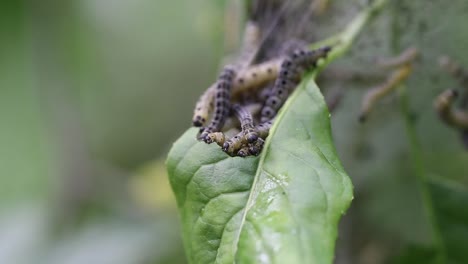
{"points": [[255, 77], [443, 104], [221, 103], [460, 74], [291, 70], [263, 130]]}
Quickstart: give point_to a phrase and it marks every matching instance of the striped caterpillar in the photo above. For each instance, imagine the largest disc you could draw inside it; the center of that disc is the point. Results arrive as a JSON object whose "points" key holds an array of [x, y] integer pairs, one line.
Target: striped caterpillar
{"points": [[291, 70], [248, 133], [221, 103]]}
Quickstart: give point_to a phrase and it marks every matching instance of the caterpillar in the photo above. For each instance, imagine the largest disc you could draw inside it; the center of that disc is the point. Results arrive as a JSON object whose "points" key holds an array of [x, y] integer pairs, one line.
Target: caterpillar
{"points": [[238, 144], [291, 69], [256, 76], [204, 107], [375, 94], [263, 130], [232, 123], [248, 132], [460, 74], [246, 120], [221, 103], [443, 104], [250, 46]]}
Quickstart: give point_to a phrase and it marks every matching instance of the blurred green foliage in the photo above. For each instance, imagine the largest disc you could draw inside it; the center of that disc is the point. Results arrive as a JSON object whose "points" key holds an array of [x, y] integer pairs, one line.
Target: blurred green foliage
{"points": [[93, 93], [90, 91]]}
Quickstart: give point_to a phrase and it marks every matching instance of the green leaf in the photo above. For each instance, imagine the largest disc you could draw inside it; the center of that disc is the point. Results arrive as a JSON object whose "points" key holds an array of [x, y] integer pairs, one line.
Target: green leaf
{"points": [[280, 207], [415, 254], [450, 201]]}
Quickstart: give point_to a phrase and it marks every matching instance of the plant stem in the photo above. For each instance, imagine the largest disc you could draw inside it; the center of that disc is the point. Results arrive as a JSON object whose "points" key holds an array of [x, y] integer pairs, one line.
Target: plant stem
{"points": [[343, 41], [419, 168], [419, 171]]}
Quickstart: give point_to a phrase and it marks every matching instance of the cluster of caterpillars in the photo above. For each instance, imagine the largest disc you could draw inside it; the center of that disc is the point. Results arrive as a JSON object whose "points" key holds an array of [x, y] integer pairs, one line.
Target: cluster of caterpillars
{"points": [[238, 110]]}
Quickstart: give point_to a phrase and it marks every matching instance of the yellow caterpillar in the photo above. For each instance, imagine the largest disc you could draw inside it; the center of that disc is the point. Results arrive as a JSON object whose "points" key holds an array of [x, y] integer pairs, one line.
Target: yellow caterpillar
{"points": [[204, 107], [403, 64], [377, 93]]}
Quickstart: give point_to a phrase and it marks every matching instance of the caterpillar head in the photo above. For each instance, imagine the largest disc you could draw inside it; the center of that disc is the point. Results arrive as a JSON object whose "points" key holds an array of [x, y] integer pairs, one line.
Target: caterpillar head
{"points": [[243, 152], [233, 145], [198, 121], [217, 137], [256, 147], [445, 99], [251, 137], [204, 136]]}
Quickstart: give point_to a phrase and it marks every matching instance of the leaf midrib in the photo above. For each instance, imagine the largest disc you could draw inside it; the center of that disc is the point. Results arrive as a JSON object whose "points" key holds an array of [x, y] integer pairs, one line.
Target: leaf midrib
{"points": [[260, 169]]}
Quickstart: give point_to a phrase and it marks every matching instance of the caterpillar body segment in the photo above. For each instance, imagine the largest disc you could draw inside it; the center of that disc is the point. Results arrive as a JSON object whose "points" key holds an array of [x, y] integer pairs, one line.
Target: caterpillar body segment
{"points": [[289, 77], [247, 123], [233, 122], [216, 137], [238, 145], [453, 117], [256, 147], [458, 73], [221, 103], [204, 107], [235, 143], [255, 77], [244, 151], [264, 128]]}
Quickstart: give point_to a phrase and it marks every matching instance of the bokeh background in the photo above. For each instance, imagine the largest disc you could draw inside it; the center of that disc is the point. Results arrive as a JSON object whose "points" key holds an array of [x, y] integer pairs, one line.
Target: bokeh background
{"points": [[93, 93]]}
